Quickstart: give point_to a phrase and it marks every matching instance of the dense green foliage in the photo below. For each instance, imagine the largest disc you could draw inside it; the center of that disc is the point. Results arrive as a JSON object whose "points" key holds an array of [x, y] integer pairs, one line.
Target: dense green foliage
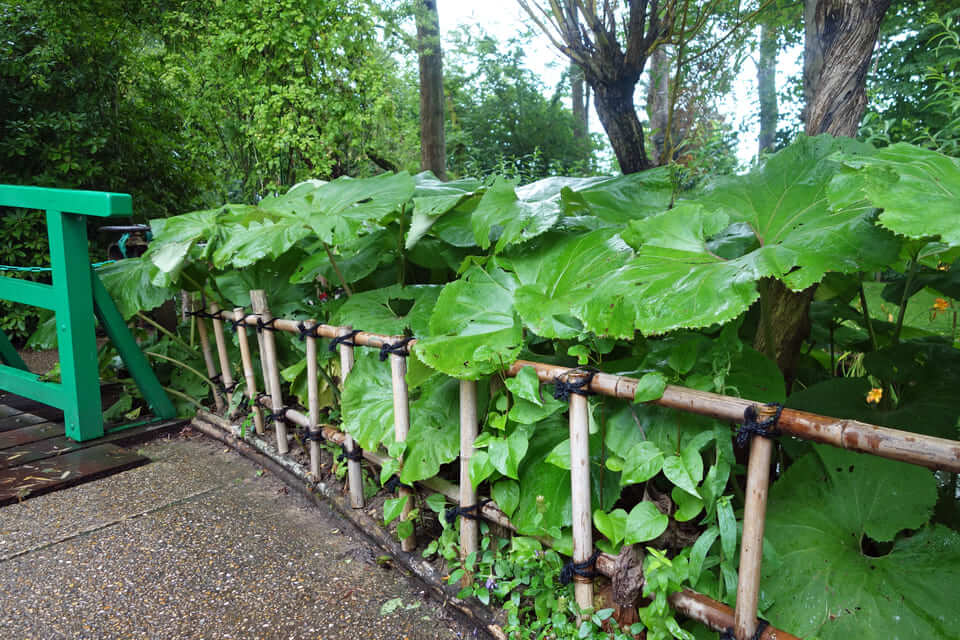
{"points": [[604, 272]]}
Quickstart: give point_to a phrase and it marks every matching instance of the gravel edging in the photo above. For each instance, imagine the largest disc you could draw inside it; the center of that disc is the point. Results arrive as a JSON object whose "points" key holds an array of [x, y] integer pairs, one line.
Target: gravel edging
{"points": [[296, 476]]}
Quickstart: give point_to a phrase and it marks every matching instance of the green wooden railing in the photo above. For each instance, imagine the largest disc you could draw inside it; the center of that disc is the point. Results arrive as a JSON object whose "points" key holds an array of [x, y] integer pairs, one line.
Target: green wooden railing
{"points": [[76, 295]]}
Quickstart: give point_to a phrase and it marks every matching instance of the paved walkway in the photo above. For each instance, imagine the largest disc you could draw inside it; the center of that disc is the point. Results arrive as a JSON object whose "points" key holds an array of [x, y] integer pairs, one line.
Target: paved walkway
{"points": [[198, 544]]}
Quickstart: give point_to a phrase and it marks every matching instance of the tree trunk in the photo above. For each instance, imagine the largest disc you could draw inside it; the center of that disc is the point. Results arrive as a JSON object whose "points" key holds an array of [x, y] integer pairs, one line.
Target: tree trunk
{"points": [[618, 116], [840, 37], [658, 102], [433, 152], [767, 85], [579, 100]]}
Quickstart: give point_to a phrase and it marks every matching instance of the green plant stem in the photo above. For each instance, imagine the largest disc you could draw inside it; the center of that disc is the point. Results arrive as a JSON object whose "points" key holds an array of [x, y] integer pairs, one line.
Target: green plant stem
{"points": [[766, 321], [904, 299], [185, 366], [333, 385], [184, 396], [336, 269], [867, 320], [156, 325]]}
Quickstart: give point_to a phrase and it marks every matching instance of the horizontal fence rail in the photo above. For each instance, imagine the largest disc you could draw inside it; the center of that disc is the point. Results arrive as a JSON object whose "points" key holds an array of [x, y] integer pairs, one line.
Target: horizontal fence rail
{"points": [[624, 570]]}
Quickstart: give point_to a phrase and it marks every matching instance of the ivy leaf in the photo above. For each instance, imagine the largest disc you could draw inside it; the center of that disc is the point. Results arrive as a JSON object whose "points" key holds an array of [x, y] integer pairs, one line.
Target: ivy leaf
{"points": [[825, 510], [506, 493], [650, 387], [502, 215], [642, 462], [473, 330], [685, 470], [644, 523], [557, 281], [613, 525], [917, 189], [480, 468], [676, 280], [391, 310]]}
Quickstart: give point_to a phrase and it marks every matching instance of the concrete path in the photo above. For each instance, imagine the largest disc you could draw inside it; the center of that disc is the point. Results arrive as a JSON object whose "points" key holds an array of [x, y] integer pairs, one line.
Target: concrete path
{"points": [[199, 544]]}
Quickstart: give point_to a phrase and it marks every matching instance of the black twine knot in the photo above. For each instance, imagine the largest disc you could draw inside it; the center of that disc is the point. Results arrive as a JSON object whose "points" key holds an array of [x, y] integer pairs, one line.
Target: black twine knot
{"points": [[309, 435], [346, 340], [355, 456], [259, 399], [762, 625], [471, 513], [261, 325], [394, 483], [280, 415], [236, 324], [398, 348], [583, 569], [752, 427], [307, 332], [562, 388]]}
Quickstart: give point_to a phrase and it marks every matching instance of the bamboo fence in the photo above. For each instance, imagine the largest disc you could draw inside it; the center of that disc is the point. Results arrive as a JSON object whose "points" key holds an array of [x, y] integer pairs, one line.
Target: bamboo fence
{"points": [[928, 451]]}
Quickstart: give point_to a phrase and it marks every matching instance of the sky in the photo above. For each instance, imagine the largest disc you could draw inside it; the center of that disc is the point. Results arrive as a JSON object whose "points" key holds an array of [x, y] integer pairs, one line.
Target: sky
{"points": [[505, 18]]}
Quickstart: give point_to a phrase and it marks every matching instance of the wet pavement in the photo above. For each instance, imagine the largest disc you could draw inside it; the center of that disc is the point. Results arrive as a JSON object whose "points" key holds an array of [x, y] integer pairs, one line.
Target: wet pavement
{"points": [[200, 543]]}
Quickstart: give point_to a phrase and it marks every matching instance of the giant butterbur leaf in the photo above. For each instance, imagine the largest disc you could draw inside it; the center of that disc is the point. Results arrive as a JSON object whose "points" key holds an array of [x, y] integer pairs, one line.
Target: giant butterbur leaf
{"points": [[918, 190], [474, 329], [504, 217], [433, 198], [367, 401], [130, 283], [621, 199], [829, 517], [557, 281], [681, 278], [391, 310]]}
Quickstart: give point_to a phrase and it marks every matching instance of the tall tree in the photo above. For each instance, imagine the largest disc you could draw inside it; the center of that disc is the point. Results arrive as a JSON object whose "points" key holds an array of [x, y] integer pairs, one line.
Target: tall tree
{"points": [[612, 50], [433, 146], [658, 101], [580, 99], [767, 83], [840, 36]]}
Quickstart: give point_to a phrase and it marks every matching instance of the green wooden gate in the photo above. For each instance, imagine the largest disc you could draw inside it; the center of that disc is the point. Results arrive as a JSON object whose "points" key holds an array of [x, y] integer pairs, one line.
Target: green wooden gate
{"points": [[75, 296]]}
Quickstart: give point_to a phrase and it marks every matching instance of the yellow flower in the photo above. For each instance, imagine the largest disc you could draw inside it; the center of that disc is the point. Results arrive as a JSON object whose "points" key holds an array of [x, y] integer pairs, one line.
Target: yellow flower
{"points": [[874, 395], [940, 304]]}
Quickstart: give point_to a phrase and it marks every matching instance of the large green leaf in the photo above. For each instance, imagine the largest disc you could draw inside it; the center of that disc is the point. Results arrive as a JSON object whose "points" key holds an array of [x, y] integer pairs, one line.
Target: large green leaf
{"points": [[273, 276], [918, 190], [826, 516], [130, 284], [391, 310], [434, 437], [557, 280], [677, 280], [473, 330], [433, 198], [355, 261], [504, 217], [367, 401], [620, 199]]}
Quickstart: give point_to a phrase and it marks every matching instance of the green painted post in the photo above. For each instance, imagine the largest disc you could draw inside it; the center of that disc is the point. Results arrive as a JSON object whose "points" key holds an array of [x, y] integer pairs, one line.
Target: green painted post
{"points": [[128, 349], [76, 341], [9, 355]]}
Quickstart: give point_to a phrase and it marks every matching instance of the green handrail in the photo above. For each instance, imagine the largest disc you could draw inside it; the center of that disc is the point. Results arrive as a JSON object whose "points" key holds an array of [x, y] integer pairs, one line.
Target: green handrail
{"points": [[76, 295]]}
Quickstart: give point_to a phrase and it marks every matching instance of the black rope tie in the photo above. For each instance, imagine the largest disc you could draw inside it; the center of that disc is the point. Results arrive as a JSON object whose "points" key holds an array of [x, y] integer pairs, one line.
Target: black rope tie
{"points": [[394, 483], [471, 513], [261, 325], [761, 627], [199, 313], [398, 348], [309, 435], [752, 427], [236, 324], [355, 456], [307, 332], [346, 340], [583, 569], [562, 389]]}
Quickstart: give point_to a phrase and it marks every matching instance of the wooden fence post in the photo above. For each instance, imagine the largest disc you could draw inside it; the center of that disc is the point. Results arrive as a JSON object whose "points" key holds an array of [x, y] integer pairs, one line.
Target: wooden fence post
{"points": [[226, 375], [248, 373], [354, 470], [580, 489], [401, 425], [313, 400], [207, 354], [469, 527]]}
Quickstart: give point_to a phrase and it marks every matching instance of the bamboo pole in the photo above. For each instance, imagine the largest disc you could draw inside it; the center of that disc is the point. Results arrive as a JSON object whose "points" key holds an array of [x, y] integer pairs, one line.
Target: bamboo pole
{"points": [[313, 401], [401, 426], [249, 376], [914, 448], [354, 470], [580, 492], [258, 300], [469, 527], [751, 544], [208, 355], [226, 375]]}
